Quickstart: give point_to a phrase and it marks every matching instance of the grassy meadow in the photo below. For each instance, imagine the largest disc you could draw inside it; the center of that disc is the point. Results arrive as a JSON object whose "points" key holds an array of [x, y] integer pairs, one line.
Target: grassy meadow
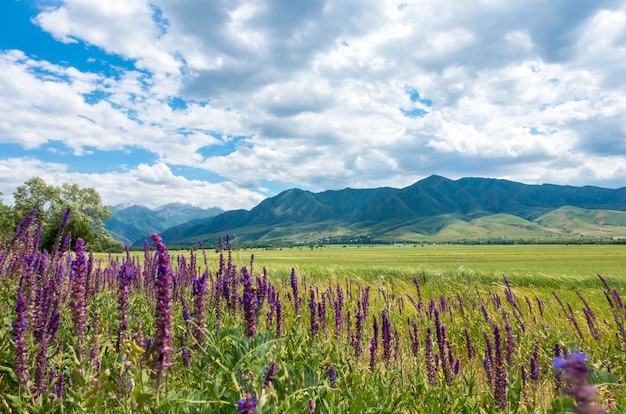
{"points": [[334, 329]]}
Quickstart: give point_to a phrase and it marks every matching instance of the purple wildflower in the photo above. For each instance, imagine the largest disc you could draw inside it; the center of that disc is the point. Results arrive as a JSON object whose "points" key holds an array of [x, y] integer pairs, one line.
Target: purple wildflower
{"points": [[338, 317], [332, 376], [576, 376], [247, 405], [125, 276], [500, 373], [250, 302], [312, 307], [471, 350], [431, 368], [199, 294], [270, 374], [294, 288], [162, 345], [534, 363], [386, 334], [356, 337], [373, 345], [19, 331], [79, 301]]}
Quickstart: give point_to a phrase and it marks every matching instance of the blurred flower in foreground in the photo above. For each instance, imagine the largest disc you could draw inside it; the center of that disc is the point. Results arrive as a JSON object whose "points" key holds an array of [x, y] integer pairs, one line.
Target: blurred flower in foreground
{"points": [[576, 376]]}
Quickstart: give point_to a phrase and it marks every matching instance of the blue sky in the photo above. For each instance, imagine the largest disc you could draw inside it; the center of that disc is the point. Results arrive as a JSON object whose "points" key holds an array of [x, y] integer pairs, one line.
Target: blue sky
{"points": [[225, 103]]}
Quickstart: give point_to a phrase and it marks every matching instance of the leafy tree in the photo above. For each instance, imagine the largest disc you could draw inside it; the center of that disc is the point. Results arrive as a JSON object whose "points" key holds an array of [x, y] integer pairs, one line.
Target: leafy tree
{"points": [[7, 220], [87, 218]]}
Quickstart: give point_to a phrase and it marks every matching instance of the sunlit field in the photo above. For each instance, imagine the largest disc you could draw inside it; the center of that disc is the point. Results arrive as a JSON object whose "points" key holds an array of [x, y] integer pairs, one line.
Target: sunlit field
{"points": [[334, 329]]}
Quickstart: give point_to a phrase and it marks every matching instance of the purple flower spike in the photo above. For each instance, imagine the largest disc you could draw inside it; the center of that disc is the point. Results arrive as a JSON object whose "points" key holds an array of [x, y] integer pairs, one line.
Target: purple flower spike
{"points": [[250, 302], [19, 331], [247, 405], [332, 376], [576, 376], [270, 374], [162, 346], [79, 300]]}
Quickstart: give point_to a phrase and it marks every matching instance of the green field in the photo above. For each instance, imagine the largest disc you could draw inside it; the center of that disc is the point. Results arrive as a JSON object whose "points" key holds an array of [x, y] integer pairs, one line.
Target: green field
{"points": [[543, 265], [407, 329]]}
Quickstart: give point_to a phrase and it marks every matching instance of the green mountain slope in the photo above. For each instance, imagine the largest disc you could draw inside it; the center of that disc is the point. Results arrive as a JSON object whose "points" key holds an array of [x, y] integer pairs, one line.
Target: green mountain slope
{"points": [[433, 209], [131, 223]]}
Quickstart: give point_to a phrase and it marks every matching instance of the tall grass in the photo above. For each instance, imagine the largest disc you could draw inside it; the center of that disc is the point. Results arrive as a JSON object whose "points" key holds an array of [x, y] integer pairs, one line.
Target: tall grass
{"points": [[158, 333]]}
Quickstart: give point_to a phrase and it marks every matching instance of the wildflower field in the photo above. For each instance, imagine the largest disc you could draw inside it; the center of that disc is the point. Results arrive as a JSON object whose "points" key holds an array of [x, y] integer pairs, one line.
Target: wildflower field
{"points": [[406, 329]]}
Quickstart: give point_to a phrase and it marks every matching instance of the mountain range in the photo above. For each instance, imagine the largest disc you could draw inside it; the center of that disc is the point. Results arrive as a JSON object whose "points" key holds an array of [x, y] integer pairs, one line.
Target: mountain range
{"points": [[434, 209], [132, 222]]}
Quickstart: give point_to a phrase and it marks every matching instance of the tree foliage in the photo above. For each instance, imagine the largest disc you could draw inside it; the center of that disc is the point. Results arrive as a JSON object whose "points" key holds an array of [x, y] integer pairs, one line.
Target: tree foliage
{"points": [[88, 214], [7, 219]]}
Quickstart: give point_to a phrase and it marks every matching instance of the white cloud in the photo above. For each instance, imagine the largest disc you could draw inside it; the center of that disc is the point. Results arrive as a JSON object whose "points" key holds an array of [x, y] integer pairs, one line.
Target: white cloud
{"points": [[150, 185], [528, 90]]}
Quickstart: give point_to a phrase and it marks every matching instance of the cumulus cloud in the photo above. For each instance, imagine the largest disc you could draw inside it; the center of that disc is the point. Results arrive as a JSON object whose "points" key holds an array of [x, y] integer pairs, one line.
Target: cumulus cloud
{"points": [[150, 185], [327, 94]]}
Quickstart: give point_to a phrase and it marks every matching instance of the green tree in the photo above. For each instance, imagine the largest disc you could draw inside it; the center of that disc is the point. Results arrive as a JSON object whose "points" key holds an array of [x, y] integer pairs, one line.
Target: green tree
{"points": [[87, 218], [8, 219]]}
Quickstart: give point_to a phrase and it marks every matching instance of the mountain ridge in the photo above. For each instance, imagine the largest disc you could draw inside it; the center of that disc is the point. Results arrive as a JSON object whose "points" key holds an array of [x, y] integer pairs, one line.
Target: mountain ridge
{"points": [[419, 212], [130, 221]]}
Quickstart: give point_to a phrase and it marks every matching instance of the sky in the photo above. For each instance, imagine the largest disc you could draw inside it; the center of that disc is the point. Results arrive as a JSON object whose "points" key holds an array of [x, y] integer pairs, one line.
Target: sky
{"points": [[228, 102]]}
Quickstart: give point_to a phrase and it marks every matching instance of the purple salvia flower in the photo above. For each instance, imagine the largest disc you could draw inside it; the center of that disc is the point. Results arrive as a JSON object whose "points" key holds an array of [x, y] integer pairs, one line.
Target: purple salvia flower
{"points": [[576, 376], [373, 345], [78, 302], [540, 305], [365, 302], [443, 304], [471, 350], [294, 288], [440, 332], [247, 405], [124, 282], [19, 332], [574, 322], [338, 318], [529, 304], [250, 302], [534, 369], [558, 380], [314, 326], [483, 310], [311, 406], [65, 220], [510, 341], [332, 376], [199, 299], [386, 335], [270, 374], [591, 322], [431, 368], [261, 288], [358, 334], [184, 353], [94, 355], [499, 371], [162, 345], [495, 299]]}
